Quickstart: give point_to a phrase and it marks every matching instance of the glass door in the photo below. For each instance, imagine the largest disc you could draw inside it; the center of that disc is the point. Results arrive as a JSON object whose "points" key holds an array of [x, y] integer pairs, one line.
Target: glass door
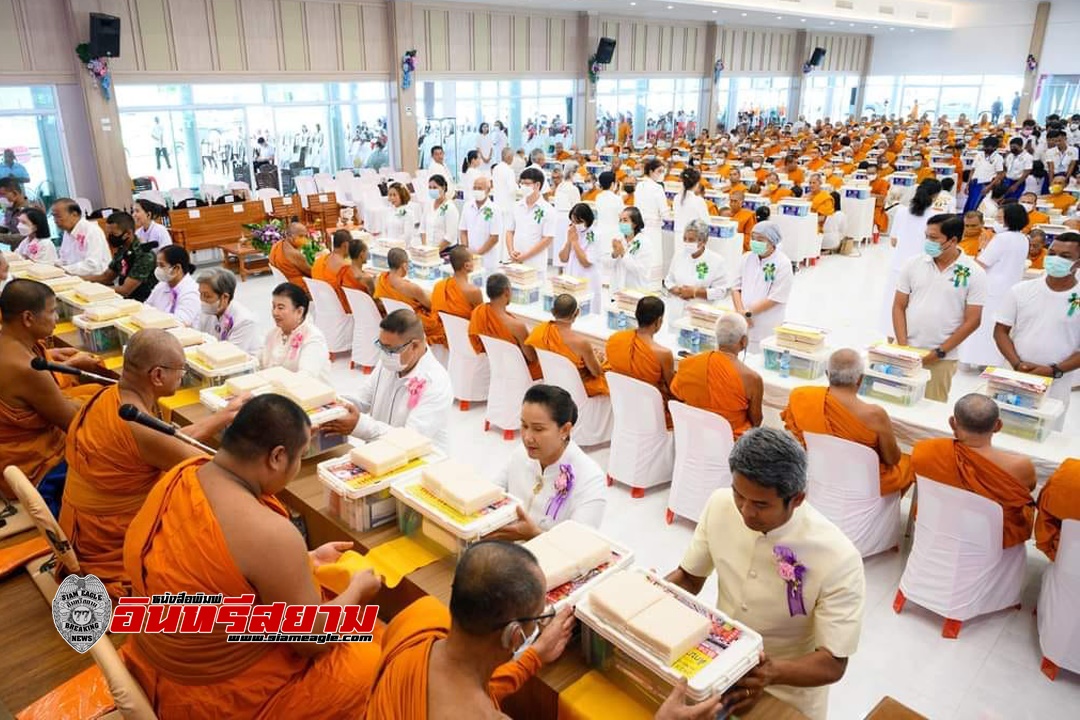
{"points": [[442, 131]]}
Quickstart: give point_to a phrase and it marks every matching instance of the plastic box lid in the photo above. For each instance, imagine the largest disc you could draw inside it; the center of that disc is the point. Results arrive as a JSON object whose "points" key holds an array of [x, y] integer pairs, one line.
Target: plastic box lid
{"points": [[820, 356], [464, 527], [345, 479]]}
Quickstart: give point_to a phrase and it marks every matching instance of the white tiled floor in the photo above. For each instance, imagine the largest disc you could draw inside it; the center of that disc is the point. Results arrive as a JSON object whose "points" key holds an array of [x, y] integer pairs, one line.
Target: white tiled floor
{"points": [[990, 672]]}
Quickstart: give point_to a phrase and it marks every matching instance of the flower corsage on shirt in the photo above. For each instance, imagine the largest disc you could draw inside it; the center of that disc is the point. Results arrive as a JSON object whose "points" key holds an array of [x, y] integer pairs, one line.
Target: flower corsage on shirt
{"points": [[564, 483], [415, 387], [792, 572]]}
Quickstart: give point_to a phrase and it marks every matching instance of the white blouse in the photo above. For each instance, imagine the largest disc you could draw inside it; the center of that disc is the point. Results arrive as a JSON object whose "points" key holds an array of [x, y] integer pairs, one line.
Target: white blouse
{"points": [[535, 488], [628, 271], [39, 250], [401, 224], [441, 223], [182, 301], [236, 325], [304, 349], [156, 232]]}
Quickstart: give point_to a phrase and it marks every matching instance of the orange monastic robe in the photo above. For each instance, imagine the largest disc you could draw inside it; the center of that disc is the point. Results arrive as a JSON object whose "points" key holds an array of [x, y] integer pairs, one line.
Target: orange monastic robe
{"points": [[1059, 500], [320, 271], [401, 688], [29, 441], [447, 297], [546, 336], [797, 176], [970, 246], [175, 544], [779, 194], [1036, 217], [590, 195], [291, 272], [823, 205], [433, 329], [746, 220], [107, 482], [1061, 201], [484, 321], [814, 409], [1038, 260], [948, 461], [710, 381], [627, 354]]}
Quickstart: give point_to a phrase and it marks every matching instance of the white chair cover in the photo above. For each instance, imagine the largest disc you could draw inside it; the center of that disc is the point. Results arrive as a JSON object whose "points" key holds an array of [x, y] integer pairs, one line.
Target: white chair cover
{"points": [[957, 567], [330, 318], [594, 413], [404, 178], [366, 321], [844, 484], [642, 448], [703, 442], [345, 182], [510, 379], [1059, 622], [470, 374], [305, 185], [155, 196], [86, 205], [265, 194], [210, 193], [394, 305], [324, 183], [279, 277], [179, 195], [245, 189]]}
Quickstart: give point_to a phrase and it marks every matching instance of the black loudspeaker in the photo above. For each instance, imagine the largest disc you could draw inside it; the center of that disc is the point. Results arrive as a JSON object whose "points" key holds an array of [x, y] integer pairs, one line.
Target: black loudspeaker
{"points": [[104, 35], [817, 57], [854, 92], [605, 50]]}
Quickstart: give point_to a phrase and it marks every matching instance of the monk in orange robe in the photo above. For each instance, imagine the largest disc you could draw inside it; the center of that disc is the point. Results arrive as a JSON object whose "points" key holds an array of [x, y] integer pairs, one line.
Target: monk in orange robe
{"points": [[719, 382], [34, 411], [1058, 501], [214, 526], [1058, 197], [1035, 217], [285, 255], [1037, 249], [795, 173], [355, 277], [328, 267], [838, 411], [975, 237], [558, 336], [395, 285], [972, 463], [821, 200], [879, 188], [744, 216], [636, 354], [438, 665], [457, 295], [112, 464], [493, 319]]}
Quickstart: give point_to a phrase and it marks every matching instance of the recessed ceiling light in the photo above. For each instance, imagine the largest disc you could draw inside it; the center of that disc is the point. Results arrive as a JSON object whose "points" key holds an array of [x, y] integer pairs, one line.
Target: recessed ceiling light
{"points": [[891, 29], [851, 24], [744, 14], [715, 11], [670, 6], [633, 3], [875, 27], [831, 22], [802, 20], [912, 30], [779, 17]]}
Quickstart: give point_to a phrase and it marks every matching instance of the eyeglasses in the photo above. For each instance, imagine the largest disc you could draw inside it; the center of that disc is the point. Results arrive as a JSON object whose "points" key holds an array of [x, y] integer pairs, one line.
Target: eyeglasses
{"points": [[169, 367], [389, 350], [542, 619]]}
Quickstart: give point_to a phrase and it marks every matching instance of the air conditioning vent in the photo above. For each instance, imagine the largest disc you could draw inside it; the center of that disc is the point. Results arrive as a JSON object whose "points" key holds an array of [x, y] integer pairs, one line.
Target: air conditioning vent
{"points": [[845, 4], [922, 15], [886, 10]]}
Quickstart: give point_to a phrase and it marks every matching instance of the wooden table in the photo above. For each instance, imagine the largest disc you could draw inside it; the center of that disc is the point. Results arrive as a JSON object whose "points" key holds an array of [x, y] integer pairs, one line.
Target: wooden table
{"points": [[246, 259], [889, 709]]}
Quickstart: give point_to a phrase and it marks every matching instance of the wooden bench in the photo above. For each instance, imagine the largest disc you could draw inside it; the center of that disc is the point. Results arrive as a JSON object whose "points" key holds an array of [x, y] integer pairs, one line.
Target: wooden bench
{"points": [[211, 226]]}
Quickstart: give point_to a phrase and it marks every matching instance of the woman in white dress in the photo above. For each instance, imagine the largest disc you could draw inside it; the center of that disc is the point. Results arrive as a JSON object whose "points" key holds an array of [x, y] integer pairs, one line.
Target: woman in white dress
{"points": [[908, 234], [650, 199], [608, 207], [36, 243], [627, 270], [441, 217], [1005, 260], [835, 227], [401, 222], [471, 169], [176, 291], [552, 477], [581, 252], [485, 147], [688, 205], [221, 317], [566, 196], [295, 343]]}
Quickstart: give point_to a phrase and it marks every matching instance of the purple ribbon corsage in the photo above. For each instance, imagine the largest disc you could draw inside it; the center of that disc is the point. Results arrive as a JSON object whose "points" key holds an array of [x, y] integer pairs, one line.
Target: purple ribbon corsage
{"points": [[792, 572], [563, 485]]}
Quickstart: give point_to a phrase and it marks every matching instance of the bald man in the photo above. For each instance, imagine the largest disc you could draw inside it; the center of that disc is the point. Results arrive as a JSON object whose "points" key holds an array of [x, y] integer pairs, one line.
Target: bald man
{"points": [[558, 336], [285, 255], [34, 410], [113, 464], [456, 295], [744, 216], [970, 462], [494, 319], [837, 410], [1035, 217], [482, 224], [395, 285]]}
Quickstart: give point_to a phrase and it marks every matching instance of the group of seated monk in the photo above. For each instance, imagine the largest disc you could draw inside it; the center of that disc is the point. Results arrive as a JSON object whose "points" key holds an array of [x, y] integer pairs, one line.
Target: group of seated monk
{"points": [[343, 267]]}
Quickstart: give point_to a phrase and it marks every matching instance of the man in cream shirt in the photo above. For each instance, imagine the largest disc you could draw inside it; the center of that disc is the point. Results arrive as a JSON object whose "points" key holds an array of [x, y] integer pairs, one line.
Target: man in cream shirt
{"points": [[409, 387], [84, 250], [749, 534], [481, 224]]}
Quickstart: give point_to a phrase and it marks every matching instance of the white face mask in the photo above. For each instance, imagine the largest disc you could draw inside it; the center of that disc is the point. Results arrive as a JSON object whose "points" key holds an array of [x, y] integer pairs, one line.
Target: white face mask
{"points": [[580, 227], [528, 643], [689, 249], [392, 361], [162, 274], [209, 308], [479, 195], [1027, 206], [24, 229]]}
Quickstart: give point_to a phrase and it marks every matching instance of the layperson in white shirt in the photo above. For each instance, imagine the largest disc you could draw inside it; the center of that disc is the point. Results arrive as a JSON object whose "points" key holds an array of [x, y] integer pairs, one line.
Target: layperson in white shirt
{"points": [[146, 230], [532, 226], [485, 146], [783, 569], [688, 205], [504, 184], [472, 169], [608, 207], [1005, 260], [566, 196], [1018, 164], [650, 199], [84, 250], [763, 287], [1038, 322], [581, 252], [518, 163], [499, 143], [295, 343], [36, 245], [436, 166], [939, 301], [627, 270], [401, 222], [221, 317], [1060, 157], [176, 291], [987, 171], [409, 387], [482, 224], [695, 272], [440, 220], [552, 477], [908, 236]]}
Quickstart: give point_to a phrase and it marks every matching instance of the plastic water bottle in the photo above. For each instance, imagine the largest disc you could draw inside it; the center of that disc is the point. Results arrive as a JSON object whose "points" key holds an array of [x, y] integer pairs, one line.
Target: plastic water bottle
{"points": [[621, 321], [785, 364], [695, 340]]}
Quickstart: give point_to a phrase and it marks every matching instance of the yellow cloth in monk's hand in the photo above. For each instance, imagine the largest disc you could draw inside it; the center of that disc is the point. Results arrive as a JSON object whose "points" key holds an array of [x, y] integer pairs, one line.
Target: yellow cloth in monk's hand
{"points": [[392, 560]]}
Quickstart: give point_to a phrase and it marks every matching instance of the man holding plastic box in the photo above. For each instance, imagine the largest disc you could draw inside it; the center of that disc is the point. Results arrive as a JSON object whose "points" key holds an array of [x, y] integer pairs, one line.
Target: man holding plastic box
{"points": [[531, 228], [409, 387], [938, 301], [784, 570], [482, 224]]}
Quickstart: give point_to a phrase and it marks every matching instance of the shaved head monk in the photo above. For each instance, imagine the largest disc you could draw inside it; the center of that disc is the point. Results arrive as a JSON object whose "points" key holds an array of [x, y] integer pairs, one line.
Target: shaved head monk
{"points": [[558, 336], [285, 255], [972, 463], [354, 275], [328, 267], [214, 526], [976, 236], [112, 464], [742, 215], [441, 664], [35, 407], [635, 352], [493, 319], [837, 410], [456, 295], [395, 285], [717, 381], [1058, 501]]}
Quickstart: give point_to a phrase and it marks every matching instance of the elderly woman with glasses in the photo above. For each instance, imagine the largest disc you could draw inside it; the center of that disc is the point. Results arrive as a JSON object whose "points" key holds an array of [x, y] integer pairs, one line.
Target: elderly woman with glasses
{"points": [[696, 273]]}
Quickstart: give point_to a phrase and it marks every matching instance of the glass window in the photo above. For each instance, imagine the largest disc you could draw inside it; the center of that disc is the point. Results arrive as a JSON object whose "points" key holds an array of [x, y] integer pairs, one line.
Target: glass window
{"points": [[226, 94], [147, 95], [298, 92], [32, 133]]}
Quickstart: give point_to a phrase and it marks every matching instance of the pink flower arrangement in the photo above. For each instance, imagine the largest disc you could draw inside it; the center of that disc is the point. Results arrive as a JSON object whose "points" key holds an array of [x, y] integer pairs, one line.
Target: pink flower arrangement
{"points": [[792, 572], [564, 483], [295, 342], [98, 68], [415, 387]]}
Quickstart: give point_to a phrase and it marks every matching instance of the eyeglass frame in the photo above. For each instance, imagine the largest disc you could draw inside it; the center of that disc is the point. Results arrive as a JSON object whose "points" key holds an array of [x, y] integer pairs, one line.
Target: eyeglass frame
{"points": [[393, 350]]}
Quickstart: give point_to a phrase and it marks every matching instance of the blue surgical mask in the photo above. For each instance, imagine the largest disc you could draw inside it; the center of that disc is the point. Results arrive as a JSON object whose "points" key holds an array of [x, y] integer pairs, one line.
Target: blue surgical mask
{"points": [[1058, 267], [933, 249], [626, 229], [759, 247], [433, 193]]}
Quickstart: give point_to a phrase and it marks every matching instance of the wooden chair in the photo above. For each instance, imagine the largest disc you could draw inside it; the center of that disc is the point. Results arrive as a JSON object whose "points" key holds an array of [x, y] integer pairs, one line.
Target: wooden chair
{"points": [[286, 207]]}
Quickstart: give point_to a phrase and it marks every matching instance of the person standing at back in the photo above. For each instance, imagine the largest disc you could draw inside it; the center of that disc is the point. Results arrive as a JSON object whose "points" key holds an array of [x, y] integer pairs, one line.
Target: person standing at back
{"points": [[907, 236]]}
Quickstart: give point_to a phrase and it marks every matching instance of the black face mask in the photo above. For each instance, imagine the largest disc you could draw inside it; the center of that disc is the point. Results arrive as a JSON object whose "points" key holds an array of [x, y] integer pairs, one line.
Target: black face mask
{"points": [[628, 188], [116, 241]]}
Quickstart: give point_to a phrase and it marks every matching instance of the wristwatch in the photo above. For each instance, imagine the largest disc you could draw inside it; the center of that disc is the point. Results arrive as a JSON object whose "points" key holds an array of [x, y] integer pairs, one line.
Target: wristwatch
{"points": [[748, 314], [1058, 372], [940, 353]]}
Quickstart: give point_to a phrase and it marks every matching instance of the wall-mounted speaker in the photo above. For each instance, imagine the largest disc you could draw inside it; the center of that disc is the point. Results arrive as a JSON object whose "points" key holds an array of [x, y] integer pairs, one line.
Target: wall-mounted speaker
{"points": [[104, 35], [605, 50], [817, 57]]}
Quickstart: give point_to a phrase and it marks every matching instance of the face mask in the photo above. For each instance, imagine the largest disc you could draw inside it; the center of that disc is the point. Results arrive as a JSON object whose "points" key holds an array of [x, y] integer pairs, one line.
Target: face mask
{"points": [[162, 274], [933, 249], [628, 188], [580, 227], [1057, 267], [626, 229], [759, 247], [527, 189], [528, 643], [1027, 206], [116, 240], [1056, 189], [208, 308], [479, 195], [432, 193], [392, 361], [689, 249], [24, 229]]}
